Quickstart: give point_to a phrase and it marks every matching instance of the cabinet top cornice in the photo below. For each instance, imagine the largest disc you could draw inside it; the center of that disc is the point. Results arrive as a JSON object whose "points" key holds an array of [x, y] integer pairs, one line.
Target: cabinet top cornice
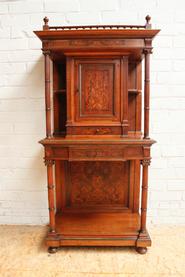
{"points": [[100, 31]]}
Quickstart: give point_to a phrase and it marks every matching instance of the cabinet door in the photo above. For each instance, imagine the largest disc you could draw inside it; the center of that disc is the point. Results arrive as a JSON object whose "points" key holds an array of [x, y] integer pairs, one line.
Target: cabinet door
{"points": [[97, 90]]}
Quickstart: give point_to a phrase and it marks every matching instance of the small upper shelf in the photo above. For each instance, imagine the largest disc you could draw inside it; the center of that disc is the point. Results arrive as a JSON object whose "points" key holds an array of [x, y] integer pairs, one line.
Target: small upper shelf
{"points": [[131, 91], [134, 91]]}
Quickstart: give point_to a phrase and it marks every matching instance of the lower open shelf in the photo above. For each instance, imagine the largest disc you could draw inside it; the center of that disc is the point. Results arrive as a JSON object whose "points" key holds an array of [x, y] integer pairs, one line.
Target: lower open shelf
{"points": [[96, 229]]}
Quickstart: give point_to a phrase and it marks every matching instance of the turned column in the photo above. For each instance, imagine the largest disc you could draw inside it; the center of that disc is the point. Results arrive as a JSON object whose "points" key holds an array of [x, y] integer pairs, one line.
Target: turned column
{"points": [[51, 193], [145, 163], [47, 84], [48, 94], [147, 51], [146, 93], [48, 105], [124, 96]]}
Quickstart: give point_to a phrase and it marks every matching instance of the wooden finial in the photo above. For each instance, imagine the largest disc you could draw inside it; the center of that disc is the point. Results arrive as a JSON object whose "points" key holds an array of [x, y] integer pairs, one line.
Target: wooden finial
{"points": [[45, 26], [148, 25]]}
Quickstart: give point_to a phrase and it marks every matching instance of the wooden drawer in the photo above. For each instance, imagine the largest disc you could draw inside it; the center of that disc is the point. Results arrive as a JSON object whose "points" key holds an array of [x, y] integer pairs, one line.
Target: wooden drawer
{"points": [[94, 130], [100, 153], [96, 153]]}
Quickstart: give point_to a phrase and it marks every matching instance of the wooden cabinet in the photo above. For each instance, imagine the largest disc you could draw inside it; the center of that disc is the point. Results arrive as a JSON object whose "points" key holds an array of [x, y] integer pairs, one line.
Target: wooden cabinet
{"points": [[96, 155]]}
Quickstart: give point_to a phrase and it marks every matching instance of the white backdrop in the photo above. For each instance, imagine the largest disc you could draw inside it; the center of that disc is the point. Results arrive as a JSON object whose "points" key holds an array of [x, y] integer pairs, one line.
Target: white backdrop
{"points": [[23, 195]]}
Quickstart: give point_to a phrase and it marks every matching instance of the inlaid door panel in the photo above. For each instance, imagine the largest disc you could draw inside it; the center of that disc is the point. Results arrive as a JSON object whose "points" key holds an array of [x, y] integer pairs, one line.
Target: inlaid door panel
{"points": [[97, 94]]}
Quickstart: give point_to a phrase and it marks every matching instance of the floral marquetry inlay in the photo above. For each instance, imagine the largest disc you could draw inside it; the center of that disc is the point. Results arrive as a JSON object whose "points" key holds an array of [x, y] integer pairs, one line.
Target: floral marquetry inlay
{"points": [[97, 89], [99, 183]]}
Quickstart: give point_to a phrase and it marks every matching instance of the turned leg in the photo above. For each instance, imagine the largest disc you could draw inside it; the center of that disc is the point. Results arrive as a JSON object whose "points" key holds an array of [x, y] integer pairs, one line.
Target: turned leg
{"points": [[141, 250], [143, 238], [51, 194], [145, 163], [52, 250]]}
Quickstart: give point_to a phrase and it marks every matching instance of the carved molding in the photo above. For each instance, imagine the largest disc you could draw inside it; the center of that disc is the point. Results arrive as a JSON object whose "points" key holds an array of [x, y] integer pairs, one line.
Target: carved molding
{"points": [[51, 187], [46, 52], [93, 43], [98, 153], [148, 42], [97, 42], [103, 131], [145, 187], [147, 50], [125, 123], [94, 130], [145, 162], [148, 47], [49, 162], [51, 209]]}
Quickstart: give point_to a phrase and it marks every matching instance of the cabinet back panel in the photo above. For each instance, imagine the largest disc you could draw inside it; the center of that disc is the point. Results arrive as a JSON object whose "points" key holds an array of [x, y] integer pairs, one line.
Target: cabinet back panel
{"points": [[60, 113], [132, 75], [132, 112]]}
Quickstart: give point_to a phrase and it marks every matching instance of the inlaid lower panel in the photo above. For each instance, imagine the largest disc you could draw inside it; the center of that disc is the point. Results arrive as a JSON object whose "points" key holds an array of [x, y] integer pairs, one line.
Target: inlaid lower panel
{"points": [[98, 184]]}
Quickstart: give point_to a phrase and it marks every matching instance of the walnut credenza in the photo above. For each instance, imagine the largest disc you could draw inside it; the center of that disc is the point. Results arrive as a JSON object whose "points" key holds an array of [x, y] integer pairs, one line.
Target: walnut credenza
{"points": [[96, 155]]}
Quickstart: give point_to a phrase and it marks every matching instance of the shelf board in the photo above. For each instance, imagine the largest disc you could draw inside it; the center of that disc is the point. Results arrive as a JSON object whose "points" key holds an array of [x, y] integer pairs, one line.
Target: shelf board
{"points": [[97, 229], [79, 140], [134, 91], [97, 224]]}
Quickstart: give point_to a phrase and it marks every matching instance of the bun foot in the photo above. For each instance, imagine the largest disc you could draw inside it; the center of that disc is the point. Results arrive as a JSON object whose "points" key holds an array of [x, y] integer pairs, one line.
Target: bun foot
{"points": [[141, 250], [52, 250]]}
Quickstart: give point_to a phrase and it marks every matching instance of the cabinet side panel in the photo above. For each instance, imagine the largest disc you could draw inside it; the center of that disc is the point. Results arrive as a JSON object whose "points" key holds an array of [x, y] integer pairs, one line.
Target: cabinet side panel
{"points": [[138, 97], [60, 188], [134, 99], [132, 112], [137, 178], [59, 97], [131, 75]]}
